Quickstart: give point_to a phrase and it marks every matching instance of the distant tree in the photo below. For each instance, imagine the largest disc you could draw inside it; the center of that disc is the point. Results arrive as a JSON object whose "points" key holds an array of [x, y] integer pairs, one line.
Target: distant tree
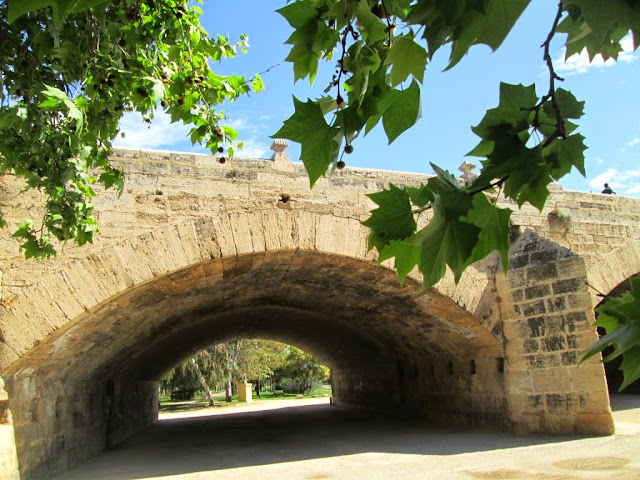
{"points": [[181, 383], [301, 372]]}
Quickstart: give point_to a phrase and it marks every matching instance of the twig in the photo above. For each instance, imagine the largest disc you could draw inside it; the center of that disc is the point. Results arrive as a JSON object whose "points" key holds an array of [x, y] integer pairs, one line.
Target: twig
{"points": [[560, 131]]}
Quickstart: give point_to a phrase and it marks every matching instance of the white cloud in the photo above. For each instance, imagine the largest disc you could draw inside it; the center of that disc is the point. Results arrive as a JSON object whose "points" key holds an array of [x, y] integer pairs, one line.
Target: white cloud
{"points": [[254, 149], [579, 62], [600, 180], [244, 124], [631, 144], [624, 182], [160, 133]]}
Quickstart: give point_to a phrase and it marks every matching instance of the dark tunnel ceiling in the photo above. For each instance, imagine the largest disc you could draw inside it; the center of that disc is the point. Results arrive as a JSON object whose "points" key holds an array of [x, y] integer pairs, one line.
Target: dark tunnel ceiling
{"points": [[342, 310]]}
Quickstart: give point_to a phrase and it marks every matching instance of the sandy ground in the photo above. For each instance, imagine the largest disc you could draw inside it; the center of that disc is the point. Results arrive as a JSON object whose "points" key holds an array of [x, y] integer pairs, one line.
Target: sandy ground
{"points": [[311, 440]]}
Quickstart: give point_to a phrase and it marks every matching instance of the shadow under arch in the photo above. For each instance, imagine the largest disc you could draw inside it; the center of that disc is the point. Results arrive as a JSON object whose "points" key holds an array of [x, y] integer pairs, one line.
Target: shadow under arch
{"points": [[93, 382]]}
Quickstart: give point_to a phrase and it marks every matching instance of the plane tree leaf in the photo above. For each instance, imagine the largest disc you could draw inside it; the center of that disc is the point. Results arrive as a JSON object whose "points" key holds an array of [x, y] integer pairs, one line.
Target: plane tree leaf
{"points": [[447, 240], [494, 226], [406, 57], [308, 127], [620, 316], [393, 219]]}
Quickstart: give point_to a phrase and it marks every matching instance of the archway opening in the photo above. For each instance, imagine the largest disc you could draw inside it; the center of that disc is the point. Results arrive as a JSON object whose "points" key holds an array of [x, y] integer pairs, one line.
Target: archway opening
{"points": [[94, 382], [242, 372]]}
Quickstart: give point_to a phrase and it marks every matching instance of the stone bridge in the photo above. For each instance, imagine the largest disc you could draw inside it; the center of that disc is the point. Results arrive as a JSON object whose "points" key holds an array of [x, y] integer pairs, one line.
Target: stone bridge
{"points": [[198, 251]]}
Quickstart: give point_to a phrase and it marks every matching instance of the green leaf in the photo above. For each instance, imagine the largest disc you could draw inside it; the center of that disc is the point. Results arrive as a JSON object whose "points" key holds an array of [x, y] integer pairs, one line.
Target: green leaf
{"points": [[630, 366], [406, 58], [308, 127], [52, 92], [515, 108], [489, 26], [529, 177], [565, 154], [299, 13], [370, 25], [305, 62], [620, 316], [446, 240], [393, 219], [17, 8], [442, 182], [495, 230], [407, 256], [420, 196], [626, 307], [602, 16], [569, 105], [403, 111]]}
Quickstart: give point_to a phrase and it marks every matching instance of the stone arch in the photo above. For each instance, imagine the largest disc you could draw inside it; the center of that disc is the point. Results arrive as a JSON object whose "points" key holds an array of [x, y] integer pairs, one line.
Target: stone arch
{"points": [[106, 327], [613, 268], [82, 285]]}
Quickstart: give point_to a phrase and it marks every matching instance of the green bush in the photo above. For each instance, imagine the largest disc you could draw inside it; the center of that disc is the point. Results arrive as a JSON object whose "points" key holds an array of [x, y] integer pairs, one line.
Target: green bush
{"points": [[183, 393]]}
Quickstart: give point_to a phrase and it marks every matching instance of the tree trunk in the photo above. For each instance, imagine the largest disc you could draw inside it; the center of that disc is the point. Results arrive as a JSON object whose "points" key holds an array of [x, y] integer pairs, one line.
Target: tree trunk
{"points": [[229, 397], [203, 382]]}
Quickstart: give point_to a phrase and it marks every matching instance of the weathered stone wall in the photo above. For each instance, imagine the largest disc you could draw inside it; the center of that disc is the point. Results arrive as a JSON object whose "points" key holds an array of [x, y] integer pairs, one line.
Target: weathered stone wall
{"points": [[133, 406], [60, 423], [463, 390], [57, 423], [164, 188]]}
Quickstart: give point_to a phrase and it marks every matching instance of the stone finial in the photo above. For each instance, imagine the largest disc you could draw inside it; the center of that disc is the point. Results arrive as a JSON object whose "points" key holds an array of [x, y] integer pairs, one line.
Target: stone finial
{"points": [[279, 145], [466, 168], [281, 159]]}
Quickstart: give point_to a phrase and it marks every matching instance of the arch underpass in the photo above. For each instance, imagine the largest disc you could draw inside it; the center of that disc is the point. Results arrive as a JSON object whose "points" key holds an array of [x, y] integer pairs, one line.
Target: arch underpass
{"points": [[384, 343]]}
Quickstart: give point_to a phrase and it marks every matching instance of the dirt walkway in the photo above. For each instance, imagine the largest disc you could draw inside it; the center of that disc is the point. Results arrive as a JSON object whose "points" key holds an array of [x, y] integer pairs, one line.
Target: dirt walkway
{"points": [[285, 439]]}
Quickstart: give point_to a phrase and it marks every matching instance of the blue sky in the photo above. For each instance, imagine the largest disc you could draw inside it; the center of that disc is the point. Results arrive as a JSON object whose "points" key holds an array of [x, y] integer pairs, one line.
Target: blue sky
{"points": [[452, 101]]}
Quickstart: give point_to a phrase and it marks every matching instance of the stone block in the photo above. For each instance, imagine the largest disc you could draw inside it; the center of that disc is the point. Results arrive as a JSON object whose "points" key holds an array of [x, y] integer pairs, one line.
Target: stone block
{"points": [[537, 326], [224, 234], [587, 423], [541, 273], [550, 380], [537, 291], [533, 308], [206, 237], [569, 286], [555, 304]]}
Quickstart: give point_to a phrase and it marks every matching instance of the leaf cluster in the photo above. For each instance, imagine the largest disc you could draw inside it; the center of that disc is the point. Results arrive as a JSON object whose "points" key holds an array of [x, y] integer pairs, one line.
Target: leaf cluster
{"points": [[71, 69], [465, 227], [620, 317], [381, 50]]}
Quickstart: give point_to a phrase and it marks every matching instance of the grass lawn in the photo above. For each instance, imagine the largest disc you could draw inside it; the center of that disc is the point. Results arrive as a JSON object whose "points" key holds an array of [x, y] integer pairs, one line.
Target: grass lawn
{"points": [[168, 405]]}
